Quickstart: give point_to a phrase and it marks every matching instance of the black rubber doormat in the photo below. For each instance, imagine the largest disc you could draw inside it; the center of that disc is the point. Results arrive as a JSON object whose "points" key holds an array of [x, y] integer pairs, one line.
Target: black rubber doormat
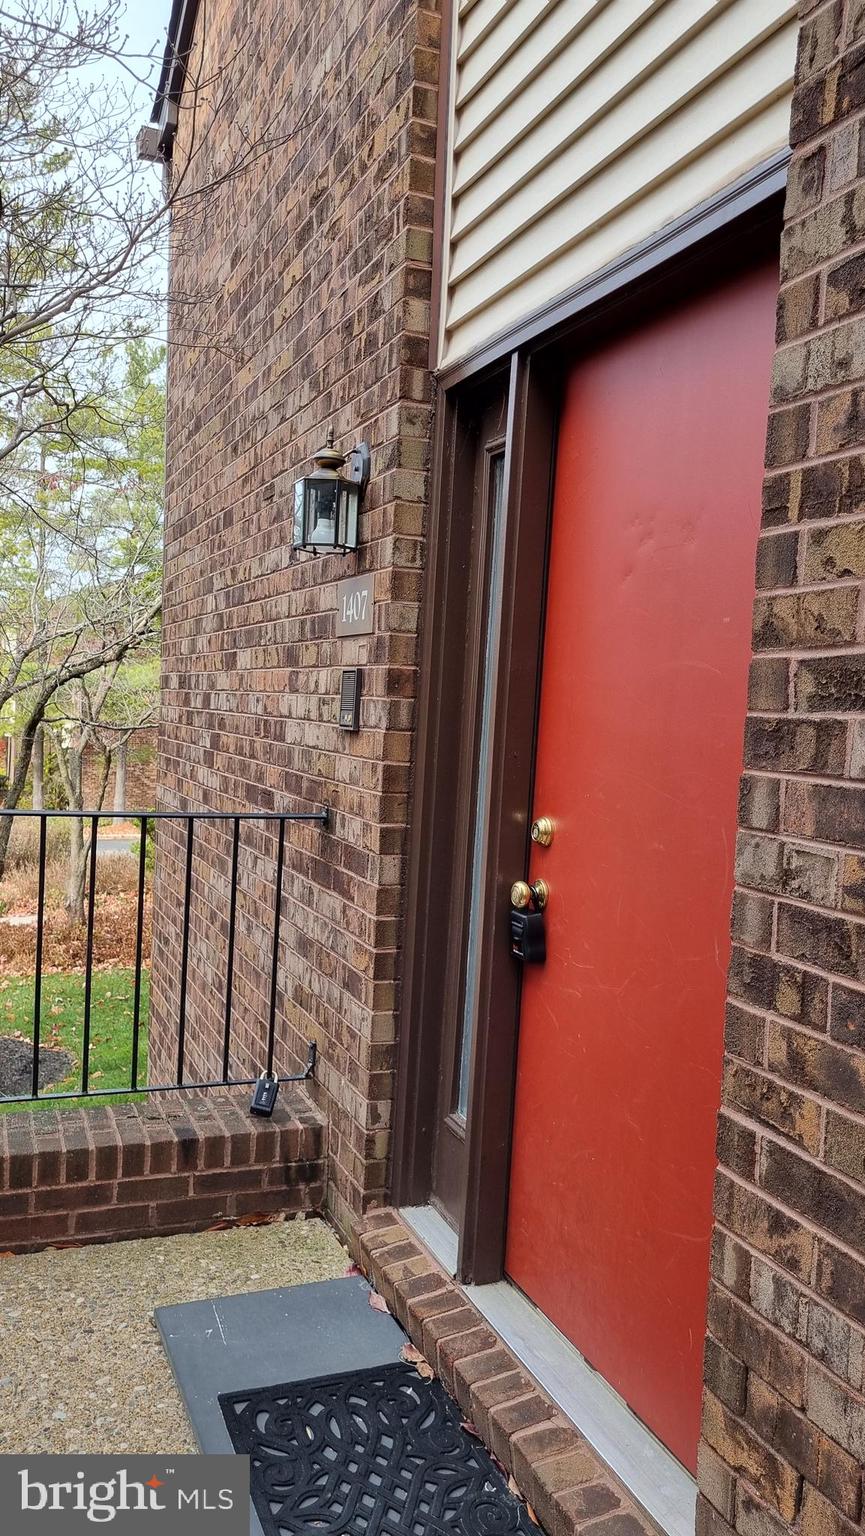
{"points": [[367, 1453]]}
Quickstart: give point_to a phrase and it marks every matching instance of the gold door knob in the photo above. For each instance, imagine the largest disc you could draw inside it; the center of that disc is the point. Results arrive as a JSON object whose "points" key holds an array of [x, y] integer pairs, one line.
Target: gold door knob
{"points": [[522, 894], [542, 831]]}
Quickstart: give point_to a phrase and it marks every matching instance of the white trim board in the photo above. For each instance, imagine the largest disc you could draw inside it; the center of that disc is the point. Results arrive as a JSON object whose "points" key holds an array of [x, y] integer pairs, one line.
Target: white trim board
{"points": [[655, 1478], [433, 1230]]}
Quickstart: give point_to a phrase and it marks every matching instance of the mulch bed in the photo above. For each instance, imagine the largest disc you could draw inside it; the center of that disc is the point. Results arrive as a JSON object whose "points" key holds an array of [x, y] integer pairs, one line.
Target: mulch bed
{"points": [[16, 1066]]}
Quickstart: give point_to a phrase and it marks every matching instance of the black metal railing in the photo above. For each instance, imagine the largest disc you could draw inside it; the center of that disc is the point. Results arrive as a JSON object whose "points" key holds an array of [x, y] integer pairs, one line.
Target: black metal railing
{"points": [[145, 820]]}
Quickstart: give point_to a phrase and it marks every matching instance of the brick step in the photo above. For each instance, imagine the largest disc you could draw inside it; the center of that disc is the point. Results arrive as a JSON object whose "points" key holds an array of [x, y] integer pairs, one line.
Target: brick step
{"points": [[100, 1174], [554, 1467]]}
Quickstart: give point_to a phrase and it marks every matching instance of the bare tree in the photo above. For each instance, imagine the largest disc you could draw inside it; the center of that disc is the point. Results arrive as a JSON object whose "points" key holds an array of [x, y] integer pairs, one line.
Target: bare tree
{"points": [[83, 229], [83, 224], [38, 760], [106, 710], [64, 653]]}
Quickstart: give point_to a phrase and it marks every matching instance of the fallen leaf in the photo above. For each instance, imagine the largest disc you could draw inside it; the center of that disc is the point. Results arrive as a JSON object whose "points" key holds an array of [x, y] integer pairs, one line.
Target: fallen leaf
{"points": [[413, 1356], [378, 1303], [350, 1271], [470, 1428], [531, 1514], [513, 1487]]}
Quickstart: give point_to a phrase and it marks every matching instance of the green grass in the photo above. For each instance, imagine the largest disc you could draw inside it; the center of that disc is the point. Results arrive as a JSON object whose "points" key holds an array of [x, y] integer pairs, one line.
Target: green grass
{"points": [[62, 1026]]}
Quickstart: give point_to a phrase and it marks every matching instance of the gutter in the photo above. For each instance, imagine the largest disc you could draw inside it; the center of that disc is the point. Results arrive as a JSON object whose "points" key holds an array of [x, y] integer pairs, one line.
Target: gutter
{"points": [[156, 138]]}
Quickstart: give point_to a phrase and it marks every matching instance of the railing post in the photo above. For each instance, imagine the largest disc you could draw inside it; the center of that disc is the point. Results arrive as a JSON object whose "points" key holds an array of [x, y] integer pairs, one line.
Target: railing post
{"points": [[184, 954], [139, 938], [88, 964], [229, 976], [40, 934], [277, 914]]}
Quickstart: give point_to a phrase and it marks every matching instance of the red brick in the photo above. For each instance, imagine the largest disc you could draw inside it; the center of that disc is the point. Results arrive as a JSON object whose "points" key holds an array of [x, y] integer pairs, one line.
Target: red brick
{"points": [[413, 1288], [737, 1445], [459, 1346], [297, 1198], [508, 1420], [220, 1181], [460, 1319], [494, 1391], [22, 1232], [475, 1368], [553, 1487], [747, 1337], [74, 1197], [630, 1522], [112, 1221], [13, 1204]]}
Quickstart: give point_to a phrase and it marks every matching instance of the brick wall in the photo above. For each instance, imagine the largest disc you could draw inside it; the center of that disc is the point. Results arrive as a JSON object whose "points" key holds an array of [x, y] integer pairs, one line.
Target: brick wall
{"points": [[140, 774], [784, 1420], [301, 301], [141, 1170]]}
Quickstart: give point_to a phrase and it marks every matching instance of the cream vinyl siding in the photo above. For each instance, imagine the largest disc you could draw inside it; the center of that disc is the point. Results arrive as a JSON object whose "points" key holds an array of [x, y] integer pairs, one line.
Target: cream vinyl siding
{"points": [[581, 127]]}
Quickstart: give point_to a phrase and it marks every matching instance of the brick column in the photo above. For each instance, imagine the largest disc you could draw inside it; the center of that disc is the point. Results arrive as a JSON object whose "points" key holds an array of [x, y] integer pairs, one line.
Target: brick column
{"points": [[784, 1418], [315, 272]]}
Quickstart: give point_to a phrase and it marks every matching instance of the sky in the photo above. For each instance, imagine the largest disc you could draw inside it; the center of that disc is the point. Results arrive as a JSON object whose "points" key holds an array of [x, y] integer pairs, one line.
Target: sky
{"points": [[146, 21], [146, 24]]}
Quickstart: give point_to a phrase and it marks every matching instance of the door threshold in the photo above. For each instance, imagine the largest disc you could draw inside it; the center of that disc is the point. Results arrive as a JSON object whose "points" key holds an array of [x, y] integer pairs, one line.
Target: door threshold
{"points": [[649, 1472], [432, 1229]]}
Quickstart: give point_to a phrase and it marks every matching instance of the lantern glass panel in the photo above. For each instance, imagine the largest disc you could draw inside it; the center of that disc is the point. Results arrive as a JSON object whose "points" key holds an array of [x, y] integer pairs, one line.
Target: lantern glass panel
{"points": [[298, 532], [349, 500], [322, 498]]}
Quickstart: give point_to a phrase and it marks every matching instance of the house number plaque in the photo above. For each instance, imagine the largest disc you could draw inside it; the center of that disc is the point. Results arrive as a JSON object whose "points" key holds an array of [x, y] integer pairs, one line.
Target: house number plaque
{"points": [[354, 606]]}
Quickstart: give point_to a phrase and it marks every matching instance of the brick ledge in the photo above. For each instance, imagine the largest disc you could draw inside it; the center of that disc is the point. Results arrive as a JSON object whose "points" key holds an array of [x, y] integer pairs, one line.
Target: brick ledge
{"points": [[159, 1167], [564, 1480]]}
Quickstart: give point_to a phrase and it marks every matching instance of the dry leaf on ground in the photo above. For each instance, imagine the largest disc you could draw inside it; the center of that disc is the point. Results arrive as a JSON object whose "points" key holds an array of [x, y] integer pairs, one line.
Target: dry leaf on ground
{"points": [[378, 1303], [412, 1356]]}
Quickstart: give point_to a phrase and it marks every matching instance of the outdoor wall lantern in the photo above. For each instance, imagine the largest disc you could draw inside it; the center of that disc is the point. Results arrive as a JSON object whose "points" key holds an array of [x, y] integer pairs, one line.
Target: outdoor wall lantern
{"points": [[326, 503]]}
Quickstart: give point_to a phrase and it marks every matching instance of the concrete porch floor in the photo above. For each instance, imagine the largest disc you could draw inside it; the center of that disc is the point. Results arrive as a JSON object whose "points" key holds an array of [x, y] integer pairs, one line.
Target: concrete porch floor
{"points": [[81, 1363]]}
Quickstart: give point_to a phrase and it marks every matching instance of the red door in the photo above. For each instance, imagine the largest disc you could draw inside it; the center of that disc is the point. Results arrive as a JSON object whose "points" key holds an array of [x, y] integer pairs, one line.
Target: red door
{"points": [[655, 519]]}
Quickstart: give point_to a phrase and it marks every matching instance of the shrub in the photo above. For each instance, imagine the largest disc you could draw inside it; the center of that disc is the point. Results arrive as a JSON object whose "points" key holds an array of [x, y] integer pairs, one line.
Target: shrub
{"points": [[24, 843]]}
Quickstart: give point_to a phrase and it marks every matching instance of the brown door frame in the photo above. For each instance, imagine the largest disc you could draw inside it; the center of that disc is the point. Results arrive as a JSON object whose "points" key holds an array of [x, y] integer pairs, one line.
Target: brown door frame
{"points": [[481, 444], [534, 355]]}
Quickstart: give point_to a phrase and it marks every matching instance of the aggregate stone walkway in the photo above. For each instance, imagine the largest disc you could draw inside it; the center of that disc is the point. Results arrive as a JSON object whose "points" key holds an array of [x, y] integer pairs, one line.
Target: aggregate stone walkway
{"points": [[81, 1363]]}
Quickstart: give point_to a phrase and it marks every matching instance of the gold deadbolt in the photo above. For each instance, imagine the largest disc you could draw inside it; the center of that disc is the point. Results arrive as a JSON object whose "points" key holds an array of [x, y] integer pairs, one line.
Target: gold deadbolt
{"points": [[522, 894], [542, 831]]}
